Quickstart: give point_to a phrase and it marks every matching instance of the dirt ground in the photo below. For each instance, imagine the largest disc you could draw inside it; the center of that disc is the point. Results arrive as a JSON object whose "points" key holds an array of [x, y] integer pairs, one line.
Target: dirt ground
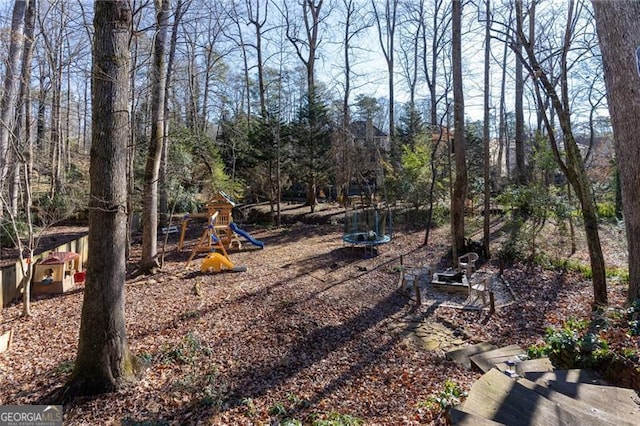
{"points": [[314, 329]]}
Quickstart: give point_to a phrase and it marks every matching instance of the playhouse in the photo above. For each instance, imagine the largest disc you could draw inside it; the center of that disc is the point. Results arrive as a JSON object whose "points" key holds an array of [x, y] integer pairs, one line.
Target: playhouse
{"points": [[57, 273]]}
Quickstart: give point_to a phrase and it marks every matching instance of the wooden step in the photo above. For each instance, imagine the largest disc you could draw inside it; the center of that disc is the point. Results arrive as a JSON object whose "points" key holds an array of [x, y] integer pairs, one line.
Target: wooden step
{"points": [[485, 361], [623, 403], [565, 376], [461, 355], [501, 399], [460, 417], [538, 365], [600, 413]]}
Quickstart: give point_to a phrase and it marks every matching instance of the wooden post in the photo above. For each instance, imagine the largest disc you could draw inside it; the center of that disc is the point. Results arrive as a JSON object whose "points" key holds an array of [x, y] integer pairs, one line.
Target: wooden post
{"points": [[492, 303], [5, 341], [183, 231], [416, 285]]}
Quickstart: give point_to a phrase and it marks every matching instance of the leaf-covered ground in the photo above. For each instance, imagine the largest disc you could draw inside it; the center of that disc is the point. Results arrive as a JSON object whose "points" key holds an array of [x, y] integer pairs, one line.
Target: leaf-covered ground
{"points": [[309, 331]]}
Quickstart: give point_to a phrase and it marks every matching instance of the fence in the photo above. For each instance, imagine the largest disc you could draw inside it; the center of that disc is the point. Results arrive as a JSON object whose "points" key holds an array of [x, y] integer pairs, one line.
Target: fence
{"points": [[12, 277]]}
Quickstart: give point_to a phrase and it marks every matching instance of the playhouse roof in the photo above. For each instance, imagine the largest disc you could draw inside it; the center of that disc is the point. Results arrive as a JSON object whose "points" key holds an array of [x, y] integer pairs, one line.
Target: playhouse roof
{"points": [[60, 257], [222, 198]]}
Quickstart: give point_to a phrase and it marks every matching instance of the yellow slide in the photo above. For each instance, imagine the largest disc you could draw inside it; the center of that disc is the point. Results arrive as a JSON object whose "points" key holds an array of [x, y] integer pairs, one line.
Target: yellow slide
{"points": [[216, 262]]}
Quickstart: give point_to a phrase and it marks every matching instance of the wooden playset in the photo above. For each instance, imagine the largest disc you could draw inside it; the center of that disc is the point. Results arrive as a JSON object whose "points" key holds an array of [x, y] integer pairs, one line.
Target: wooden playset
{"points": [[223, 206], [218, 258]]}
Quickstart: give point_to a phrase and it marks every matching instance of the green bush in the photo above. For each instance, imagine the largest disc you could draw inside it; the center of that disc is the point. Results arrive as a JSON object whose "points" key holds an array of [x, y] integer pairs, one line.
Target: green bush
{"points": [[633, 315], [572, 346], [606, 210], [441, 215], [513, 249], [337, 419], [451, 395], [8, 236]]}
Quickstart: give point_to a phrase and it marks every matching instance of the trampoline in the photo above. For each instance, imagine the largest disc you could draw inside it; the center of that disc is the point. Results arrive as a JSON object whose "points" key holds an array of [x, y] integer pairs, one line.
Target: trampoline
{"points": [[366, 238], [367, 227]]}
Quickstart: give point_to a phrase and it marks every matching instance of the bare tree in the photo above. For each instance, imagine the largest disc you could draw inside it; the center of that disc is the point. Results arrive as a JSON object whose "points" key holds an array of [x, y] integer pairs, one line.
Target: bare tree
{"points": [[459, 148], [52, 23], [485, 131], [435, 39], [410, 38], [306, 46], [163, 176], [103, 362], [386, 23], [572, 164], [24, 147], [8, 101], [353, 25], [617, 25], [503, 138], [234, 16], [258, 18], [520, 171], [149, 260]]}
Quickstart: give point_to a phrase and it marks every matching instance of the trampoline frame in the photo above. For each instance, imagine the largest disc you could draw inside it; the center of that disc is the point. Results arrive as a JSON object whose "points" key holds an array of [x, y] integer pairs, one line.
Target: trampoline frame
{"points": [[356, 236]]}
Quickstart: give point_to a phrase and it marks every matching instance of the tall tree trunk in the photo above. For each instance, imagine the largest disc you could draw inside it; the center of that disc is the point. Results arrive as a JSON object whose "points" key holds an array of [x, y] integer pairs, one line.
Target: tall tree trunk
{"points": [[103, 362], [485, 133], [520, 172], [23, 136], [386, 37], [149, 259], [258, 23], [617, 25], [164, 197], [503, 140], [10, 86], [460, 183]]}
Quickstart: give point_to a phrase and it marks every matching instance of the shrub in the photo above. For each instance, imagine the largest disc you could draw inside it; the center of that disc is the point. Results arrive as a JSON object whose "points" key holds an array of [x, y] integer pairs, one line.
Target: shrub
{"points": [[451, 395], [606, 210], [8, 236], [572, 346], [633, 315]]}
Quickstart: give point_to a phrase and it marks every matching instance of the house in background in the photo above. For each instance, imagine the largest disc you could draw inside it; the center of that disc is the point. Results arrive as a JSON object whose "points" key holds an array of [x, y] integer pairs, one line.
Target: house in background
{"points": [[598, 158], [358, 158]]}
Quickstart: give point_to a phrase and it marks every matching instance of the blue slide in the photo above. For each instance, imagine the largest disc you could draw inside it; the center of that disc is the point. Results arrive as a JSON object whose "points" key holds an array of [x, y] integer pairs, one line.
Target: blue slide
{"points": [[246, 235]]}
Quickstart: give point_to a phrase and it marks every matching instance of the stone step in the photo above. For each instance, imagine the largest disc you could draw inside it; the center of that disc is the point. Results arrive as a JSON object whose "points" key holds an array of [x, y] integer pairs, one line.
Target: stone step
{"points": [[485, 361], [461, 355]]}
